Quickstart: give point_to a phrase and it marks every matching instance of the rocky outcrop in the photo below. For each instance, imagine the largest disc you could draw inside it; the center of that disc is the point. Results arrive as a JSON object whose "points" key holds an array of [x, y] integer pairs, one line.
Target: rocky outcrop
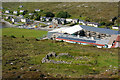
{"points": [[46, 59]]}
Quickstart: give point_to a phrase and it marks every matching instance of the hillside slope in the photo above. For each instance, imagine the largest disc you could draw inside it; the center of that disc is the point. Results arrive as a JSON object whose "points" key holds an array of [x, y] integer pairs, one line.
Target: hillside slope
{"points": [[96, 11]]}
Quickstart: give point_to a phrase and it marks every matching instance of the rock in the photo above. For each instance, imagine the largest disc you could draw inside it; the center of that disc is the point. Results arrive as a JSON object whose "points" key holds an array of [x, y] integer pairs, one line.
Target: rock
{"points": [[52, 54], [58, 75], [42, 75]]}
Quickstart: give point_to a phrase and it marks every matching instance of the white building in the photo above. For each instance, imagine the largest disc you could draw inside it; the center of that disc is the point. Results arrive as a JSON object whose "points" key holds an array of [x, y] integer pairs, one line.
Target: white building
{"points": [[15, 20], [21, 16], [82, 22], [15, 12], [21, 11], [25, 20], [115, 27], [7, 17], [30, 14], [37, 10], [20, 6], [69, 20], [7, 11], [92, 24], [75, 21]]}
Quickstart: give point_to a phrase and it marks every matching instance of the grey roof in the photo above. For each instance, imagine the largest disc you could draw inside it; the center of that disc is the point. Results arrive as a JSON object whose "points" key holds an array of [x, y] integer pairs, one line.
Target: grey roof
{"points": [[100, 30]]}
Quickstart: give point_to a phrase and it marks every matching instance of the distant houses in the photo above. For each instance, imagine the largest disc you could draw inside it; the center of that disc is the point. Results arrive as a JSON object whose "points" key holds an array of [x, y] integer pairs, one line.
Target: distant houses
{"points": [[59, 20], [89, 23], [92, 24], [37, 10]]}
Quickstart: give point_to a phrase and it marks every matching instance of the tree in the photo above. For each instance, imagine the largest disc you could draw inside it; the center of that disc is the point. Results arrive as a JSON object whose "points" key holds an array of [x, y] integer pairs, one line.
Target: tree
{"points": [[113, 19], [63, 14], [102, 23], [109, 23], [49, 14], [37, 16], [26, 16], [17, 14]]}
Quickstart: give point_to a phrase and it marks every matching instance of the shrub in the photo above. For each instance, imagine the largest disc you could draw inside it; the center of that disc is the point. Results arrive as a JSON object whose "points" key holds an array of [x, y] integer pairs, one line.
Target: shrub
{"points": [[5, 35], [63, 14], [22, 36], [49, 14], [13, 36]]}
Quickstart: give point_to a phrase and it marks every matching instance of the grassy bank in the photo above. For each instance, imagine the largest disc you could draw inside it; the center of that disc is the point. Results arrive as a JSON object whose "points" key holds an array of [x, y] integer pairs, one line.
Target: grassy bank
{"points": [[17, 32], [96, 11], [22, 58]]}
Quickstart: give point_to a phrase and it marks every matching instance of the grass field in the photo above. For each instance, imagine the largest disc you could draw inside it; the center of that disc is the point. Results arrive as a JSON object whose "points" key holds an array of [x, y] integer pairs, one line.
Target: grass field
{"points": [[96, 11], [17, 32], [22, 58]]}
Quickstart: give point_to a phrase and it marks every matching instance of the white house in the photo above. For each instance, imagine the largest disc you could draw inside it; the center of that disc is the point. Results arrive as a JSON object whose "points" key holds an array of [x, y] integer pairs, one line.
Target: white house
{"points": [[21, 11], [7, 17], [37, 10], [15, 20], [21, 16], [92, 24], [115, 27], [30, 14], [82, 22], [25, 20], [15, 12], [75, 21], [48, 19], [69, 20], [42, 18], [7, 11], [20, 6]]}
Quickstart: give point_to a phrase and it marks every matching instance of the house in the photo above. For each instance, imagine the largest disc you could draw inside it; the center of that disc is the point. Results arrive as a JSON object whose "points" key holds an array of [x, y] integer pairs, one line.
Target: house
{"points": [[15, 12], [92, 24], [7, 17], [48, 19], [37, 10], [15, 19], [21, 16], [20, 6], [68, 20], [7, 11], [115, 27], [82, 22], [25, 20], [21, 11], [75, 21], [63, 21], [42, 18], [31, 14], [59, 20]]}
